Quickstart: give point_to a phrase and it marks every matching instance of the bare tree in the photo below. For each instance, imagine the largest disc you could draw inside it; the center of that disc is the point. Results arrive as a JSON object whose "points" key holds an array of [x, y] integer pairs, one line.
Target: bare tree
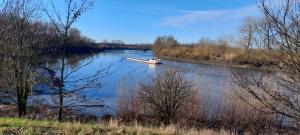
{"points": [[277, 36], [20, 41], [67, 86], [247, 35], [75, 35], [166, 96], [165, 42]]}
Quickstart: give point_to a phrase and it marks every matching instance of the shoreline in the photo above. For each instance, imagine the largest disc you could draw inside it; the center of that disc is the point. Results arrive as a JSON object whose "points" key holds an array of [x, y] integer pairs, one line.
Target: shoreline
{"points": [[100, 49], [79, 49], [216, 63]]}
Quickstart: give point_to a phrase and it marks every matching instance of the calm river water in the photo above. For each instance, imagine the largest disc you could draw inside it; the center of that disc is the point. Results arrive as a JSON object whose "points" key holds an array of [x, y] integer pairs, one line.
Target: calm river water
{"points": [[211, 79]]}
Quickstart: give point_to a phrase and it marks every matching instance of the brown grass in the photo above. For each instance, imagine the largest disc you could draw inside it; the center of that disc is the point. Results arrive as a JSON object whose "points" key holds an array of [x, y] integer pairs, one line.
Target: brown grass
{"points": [[216, 53], [229, 112]]}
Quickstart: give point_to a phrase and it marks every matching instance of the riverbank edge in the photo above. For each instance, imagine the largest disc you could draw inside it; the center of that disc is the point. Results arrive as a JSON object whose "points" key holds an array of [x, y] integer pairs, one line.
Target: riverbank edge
{"points": [[92, 48], [217, 63]]}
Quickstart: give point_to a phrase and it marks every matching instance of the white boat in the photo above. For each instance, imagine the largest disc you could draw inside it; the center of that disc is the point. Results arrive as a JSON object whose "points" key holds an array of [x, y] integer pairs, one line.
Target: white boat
{"points": [[154, 60]]}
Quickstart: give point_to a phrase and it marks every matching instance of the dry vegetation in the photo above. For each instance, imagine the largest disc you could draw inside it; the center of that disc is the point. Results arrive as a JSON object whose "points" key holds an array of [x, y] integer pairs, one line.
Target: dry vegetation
{"points": [[277, 34], [169, 99], [258, 106], [26, 40], [198, 110], [209, 51]]}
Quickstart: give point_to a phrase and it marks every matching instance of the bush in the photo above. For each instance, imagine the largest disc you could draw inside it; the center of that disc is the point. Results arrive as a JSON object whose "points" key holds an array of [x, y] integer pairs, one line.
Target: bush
{"points": [[168, 98]]}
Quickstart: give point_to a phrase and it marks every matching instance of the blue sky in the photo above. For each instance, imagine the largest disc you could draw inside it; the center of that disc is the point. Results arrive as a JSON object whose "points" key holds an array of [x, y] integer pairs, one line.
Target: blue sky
{"points": [[141, 21]]}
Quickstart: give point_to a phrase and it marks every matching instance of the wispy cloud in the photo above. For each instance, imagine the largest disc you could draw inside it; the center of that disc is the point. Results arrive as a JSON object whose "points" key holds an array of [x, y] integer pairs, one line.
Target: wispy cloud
{"points": [[188, 18], [144, 8]]}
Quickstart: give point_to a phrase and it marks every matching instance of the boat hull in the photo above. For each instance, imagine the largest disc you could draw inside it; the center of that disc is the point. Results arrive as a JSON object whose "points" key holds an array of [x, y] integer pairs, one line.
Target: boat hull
{"points": [[144, 60]]}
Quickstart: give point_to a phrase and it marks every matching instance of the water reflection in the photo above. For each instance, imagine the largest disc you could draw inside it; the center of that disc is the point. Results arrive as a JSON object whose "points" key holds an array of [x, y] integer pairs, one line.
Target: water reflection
{"points": [[212, 80]]}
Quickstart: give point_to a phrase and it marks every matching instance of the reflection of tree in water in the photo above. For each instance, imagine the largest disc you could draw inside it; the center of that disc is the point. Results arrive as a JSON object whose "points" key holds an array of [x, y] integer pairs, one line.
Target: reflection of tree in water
{"points": [[75, 60]]}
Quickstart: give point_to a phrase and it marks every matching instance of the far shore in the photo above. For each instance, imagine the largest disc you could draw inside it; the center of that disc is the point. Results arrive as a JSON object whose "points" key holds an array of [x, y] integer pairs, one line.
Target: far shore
{"points": [[218, 63], [100, 47]]}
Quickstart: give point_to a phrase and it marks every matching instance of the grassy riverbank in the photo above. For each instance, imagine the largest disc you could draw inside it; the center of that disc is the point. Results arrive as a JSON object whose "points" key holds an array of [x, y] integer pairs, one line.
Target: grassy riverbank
{"points": [[211, 52], [18, 126], [235, 57]]}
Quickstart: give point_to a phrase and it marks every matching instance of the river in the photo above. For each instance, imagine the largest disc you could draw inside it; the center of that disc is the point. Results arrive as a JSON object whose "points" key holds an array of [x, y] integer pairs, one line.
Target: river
{"points": [[119, 73]]}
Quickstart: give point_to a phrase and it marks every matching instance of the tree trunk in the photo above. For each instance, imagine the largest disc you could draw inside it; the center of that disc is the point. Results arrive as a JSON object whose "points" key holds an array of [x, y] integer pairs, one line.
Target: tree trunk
{"points": [[61, 85], [22, 106]]}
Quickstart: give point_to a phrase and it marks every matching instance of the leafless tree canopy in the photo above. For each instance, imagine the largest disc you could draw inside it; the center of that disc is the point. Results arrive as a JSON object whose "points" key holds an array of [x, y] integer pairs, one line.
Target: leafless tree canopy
{"points": [[20, 40], [63, 23], [25, 37], [164, 42], [168, 92], [277, 35]]}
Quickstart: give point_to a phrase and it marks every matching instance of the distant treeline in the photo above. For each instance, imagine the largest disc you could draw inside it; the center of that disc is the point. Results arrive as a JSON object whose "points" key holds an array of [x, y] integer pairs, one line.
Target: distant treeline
{"points": [[118, 46], [76, 42], [47, 39], [209, 51]]}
